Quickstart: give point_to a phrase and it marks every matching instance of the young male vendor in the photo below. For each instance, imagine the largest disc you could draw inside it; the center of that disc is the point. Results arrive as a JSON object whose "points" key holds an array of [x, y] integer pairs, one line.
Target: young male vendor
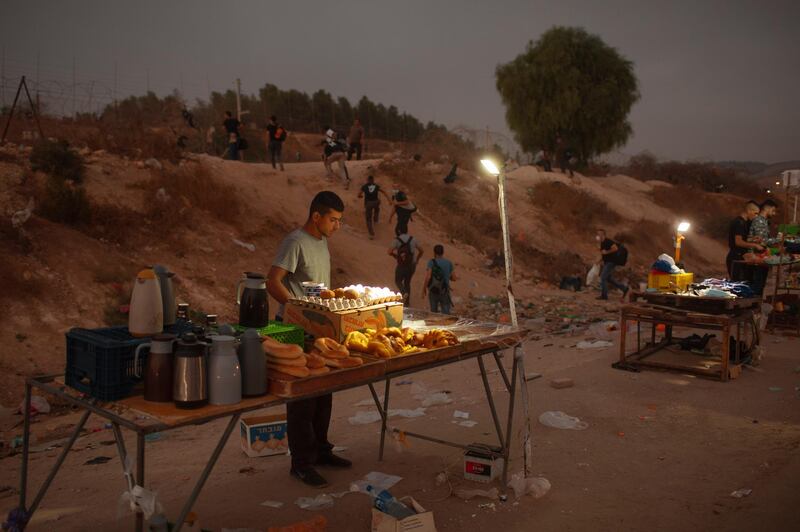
{"points": [[303, 256]]}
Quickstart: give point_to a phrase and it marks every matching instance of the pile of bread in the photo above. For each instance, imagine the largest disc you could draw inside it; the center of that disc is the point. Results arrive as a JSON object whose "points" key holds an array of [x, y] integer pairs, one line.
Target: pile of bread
{"points": [[290, 360], [393, 341]]}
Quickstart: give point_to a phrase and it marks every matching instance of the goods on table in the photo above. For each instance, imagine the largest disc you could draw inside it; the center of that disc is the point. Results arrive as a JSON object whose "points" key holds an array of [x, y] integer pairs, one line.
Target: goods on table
{"points": [[393, 341], [350, 297], [252, 300], [334, 354], [288, 359], [146, 314]]}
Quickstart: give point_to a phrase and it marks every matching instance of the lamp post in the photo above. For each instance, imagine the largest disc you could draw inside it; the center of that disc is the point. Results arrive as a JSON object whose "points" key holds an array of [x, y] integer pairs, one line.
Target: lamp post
{"points": [[519, 355], [682, 228]]}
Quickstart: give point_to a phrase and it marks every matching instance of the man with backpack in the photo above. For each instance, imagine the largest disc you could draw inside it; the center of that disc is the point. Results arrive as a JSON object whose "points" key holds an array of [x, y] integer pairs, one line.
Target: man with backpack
{"points": [[407, 252], [372, 203], [613, 254], [403, 209], [438, 277], [276, 135]]}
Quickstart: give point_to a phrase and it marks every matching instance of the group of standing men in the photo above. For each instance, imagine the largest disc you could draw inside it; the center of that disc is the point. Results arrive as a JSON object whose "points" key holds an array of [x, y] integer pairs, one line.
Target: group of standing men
{"points": [[749, 233]]}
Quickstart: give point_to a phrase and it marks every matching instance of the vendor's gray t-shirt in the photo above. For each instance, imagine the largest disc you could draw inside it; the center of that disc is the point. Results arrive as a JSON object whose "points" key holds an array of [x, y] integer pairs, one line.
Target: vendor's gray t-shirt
{"points": [[306, 258]]}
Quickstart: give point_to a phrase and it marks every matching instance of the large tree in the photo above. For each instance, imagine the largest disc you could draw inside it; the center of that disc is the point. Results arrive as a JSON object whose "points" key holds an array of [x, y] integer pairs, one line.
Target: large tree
{"points": [[569, 84]]}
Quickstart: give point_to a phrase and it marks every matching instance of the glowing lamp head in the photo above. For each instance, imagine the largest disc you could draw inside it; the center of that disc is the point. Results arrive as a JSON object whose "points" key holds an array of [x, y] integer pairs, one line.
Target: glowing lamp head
{"points": [[683, 227], [490, 167]]}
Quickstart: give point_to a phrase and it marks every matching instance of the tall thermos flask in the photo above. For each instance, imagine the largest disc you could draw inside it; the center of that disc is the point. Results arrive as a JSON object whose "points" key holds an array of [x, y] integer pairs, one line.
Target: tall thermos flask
{"points": [[251, 295], [167, 293], [190, 376], [146, 313], [254, 364], [158, 374], [224, 372]]}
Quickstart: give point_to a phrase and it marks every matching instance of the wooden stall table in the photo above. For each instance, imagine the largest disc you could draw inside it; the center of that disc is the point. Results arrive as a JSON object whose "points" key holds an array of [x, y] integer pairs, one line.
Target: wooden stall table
{"points": [[143, 417], [728, 316]]}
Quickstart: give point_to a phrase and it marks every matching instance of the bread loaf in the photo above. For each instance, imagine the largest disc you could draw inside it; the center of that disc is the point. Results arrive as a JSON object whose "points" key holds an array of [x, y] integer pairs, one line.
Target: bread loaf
{"points": [[292, 371], [319, 371], [280, 350], [295, 362], [330, 348], [315, 361], [348, 362]]}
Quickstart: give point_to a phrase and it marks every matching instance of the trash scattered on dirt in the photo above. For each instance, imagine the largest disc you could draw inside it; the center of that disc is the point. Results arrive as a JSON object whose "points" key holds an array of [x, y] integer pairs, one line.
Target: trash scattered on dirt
{"points": [[403, 382], [560, 420], [245, 245], [365, 402], [39, 405], [536, 486], [488, 505], [562, 383], [597, 344], [315, 503], [460, 415], [153, 436], [376, 479], [248, 470], [364, 417], [16, 441], [493, 494], [439, 398], [272, 504], [468, 423], [98, 460], [744, 492], [775, 389], [441, 478]]}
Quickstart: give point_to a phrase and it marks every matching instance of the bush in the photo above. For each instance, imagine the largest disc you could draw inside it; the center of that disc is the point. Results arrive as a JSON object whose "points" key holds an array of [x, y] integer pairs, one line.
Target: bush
{"points": [[56, 159], [65, 202]]}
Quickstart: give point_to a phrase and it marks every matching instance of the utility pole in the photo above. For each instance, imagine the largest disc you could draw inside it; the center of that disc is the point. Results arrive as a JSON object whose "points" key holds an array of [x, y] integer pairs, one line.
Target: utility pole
{"points": [[73, 87], [238, 99]]}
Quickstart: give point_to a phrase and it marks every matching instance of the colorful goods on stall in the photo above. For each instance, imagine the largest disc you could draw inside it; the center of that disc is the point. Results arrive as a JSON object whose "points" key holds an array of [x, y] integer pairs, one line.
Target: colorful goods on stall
{"points": [[393, 341]]}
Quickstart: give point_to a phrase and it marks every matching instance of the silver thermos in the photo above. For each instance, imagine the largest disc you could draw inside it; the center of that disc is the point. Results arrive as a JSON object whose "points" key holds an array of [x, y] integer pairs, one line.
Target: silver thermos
{"points": [[190, 384]]}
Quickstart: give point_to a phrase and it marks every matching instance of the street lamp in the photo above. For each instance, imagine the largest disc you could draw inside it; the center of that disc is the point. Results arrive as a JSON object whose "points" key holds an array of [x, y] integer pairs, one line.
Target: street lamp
{"points": [[682, 228], [519, 355], [490, 167]]}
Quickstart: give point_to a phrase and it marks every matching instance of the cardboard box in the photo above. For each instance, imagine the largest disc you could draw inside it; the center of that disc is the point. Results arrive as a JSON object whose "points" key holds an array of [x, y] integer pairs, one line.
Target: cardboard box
{"points": [[481, 467], [422, 522], [264, 435], [336, 325]]}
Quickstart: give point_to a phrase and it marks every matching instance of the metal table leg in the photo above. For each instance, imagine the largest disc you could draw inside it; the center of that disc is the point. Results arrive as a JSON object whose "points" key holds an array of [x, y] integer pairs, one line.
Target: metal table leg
{"points": [[59, 462], [490, 399], [205, 474], [26, 442], [139, 475], [502, 370], [384, 418]]}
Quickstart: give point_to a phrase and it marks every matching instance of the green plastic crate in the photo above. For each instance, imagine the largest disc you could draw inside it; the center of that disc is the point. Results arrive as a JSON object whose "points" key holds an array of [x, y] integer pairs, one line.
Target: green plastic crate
{"points": [[284, 333], [789, 229]]}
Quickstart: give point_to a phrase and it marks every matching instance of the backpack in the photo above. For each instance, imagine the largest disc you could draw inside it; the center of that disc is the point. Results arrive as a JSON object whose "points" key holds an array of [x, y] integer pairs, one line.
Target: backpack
{"points": [[405, 257], [280, 134], [438, 284], [621, 256]]}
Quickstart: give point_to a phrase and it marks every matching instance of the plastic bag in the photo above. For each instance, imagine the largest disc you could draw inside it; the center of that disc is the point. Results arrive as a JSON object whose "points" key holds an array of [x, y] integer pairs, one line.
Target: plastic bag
{"points": [[39, 405], [376, 479], [439, 398], [316, 503], [597, 344], [560, 420], [593, 277], [536, 486]]}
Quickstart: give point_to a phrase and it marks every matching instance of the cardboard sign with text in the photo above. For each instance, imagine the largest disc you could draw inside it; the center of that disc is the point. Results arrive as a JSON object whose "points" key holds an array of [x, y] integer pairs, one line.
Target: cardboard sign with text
{"points": [[336, 325], [421, 522]]}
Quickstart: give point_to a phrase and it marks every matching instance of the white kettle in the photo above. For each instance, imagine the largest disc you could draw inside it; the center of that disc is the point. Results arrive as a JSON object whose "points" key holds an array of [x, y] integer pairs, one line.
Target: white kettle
{"points": [[146, 314]]}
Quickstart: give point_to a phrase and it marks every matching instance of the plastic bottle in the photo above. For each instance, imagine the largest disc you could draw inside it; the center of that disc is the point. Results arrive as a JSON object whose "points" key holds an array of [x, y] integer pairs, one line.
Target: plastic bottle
{"points": [[388, 504]]}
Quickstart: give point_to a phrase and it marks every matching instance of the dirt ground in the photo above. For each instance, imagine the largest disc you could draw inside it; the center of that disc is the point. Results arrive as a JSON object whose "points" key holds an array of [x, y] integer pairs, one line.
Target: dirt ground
{"points": [[663, 451]]}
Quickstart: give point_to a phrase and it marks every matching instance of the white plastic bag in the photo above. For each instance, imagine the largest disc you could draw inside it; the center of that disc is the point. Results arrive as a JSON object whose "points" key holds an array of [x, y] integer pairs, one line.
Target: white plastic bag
{"points": [[593, 277], [560, 420], [536, 486]]}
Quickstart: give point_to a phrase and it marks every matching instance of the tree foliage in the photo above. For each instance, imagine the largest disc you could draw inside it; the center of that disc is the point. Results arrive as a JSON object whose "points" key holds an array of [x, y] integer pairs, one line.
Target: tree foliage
{"points": [[569, 83]]}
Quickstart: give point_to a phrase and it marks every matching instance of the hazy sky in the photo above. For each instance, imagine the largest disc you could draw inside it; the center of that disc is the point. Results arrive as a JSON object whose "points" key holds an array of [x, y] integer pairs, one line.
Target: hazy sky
{"points": [[719, 80]]}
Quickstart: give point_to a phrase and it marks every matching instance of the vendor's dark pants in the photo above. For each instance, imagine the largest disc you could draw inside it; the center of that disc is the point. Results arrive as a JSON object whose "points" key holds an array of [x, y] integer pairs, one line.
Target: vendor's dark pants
{"points": [[758, 278], [307, 423], [737, 271], [402, 278], [373, 209]]}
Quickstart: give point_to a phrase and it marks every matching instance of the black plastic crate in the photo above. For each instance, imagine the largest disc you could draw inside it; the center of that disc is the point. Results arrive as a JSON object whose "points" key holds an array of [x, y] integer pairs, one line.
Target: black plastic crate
{"points": [[100, 362]]}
